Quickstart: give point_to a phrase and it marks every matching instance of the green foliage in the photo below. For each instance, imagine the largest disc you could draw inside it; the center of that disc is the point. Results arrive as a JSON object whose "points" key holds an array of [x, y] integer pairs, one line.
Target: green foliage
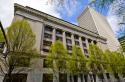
{"points": [[77, 61], [95, 62], [1, 39], [57, 57], [1, 36], [21, 41], [115, 62], [21, 37]]}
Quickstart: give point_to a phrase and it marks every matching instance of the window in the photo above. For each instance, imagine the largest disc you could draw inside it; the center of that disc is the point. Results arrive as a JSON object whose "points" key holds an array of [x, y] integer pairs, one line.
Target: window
{"points": [[107, 75], [68, 34], [81, 77], [47, 78], [94, 77], [2, 44], [16, 78], [76, 42], [47, 43], [62, 77], [68, 41], [76, 37], [45, 50], [75, 77], [58, 38], [85, 51], [94, 42], [86, 78], [83, 39], [84, 44], [69, 47], [47, 36], [89, 41], [58, 31], [48, 28]]}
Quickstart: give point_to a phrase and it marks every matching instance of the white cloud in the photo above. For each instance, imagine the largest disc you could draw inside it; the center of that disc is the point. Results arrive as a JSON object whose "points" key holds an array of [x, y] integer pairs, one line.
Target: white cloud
{"points": [[113, 18], [113, 21], [7, 10]]}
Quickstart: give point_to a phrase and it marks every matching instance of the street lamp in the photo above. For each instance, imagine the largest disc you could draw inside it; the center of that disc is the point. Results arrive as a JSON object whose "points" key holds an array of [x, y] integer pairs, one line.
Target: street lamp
{"points": [[6, 49]]}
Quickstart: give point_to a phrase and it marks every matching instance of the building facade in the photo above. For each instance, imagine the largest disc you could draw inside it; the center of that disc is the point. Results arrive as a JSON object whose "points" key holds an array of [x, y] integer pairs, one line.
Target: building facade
{"points": [[48, 29]]}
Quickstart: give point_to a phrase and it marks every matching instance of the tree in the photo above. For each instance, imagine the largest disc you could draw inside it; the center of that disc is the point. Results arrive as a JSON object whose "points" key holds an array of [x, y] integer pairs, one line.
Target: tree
{"points": [[21, 40], [1, 40], [1, 36], [114, 63], [96, 62], [57, 58], [77, 62]]}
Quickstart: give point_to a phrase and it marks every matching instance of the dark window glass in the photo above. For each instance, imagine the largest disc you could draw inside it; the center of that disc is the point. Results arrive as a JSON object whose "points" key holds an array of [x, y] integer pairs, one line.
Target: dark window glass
{"points": [[2, 45], [85, 51], [89, 40], [116, 75], [48, 28], [81, 77], [62, 77], [47, 43], [45, 50], [69, 41], [47, 78], [94, 42], [76, 37], [107, 75], [58, 38], [76, 42], [83, 39], [84, 44], [58, 31], [86, 78], [75, 77], [70, 78], [16, 78], [101, 76], [94, 77], [68, 34], [69, 47], [47, 35]]}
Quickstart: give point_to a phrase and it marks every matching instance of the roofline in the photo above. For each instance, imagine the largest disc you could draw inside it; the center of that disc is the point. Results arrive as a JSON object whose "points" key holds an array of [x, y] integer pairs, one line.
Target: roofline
{"points": [[16, 6], [83, 12]]}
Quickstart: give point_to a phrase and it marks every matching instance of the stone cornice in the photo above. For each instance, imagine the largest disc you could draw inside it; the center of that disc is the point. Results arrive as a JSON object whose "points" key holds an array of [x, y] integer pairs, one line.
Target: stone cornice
{"points": [[45, 16]]}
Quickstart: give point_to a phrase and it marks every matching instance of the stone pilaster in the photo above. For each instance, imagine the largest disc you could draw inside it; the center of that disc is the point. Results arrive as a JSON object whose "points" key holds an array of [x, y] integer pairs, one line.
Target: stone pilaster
{"points": [[54, 35], [81, 46], [64, 39], [73, 41]]}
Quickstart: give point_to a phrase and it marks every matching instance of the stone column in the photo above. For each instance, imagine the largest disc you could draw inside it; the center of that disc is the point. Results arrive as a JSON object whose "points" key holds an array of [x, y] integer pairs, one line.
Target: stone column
{"points": [[87, 44], [64, 39], [81, 46], [54, 35], [73, 41]]}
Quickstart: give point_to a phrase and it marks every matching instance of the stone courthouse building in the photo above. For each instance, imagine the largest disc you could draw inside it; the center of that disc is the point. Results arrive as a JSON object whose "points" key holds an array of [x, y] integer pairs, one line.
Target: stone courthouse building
{"points": [[92, 28]]}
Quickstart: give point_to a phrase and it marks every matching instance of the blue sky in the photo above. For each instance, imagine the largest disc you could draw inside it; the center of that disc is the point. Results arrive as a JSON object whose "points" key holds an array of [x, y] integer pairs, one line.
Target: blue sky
{"points": [[66, 13], [80, 6]]}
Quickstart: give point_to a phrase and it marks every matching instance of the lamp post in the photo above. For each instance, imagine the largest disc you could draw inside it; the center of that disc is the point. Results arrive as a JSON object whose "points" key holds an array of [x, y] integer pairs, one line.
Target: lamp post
{"points": [[6, 49]]}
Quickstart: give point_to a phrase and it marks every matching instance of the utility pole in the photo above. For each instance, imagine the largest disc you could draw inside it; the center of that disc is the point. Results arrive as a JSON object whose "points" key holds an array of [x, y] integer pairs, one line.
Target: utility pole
{"points": [[6, 49]]}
